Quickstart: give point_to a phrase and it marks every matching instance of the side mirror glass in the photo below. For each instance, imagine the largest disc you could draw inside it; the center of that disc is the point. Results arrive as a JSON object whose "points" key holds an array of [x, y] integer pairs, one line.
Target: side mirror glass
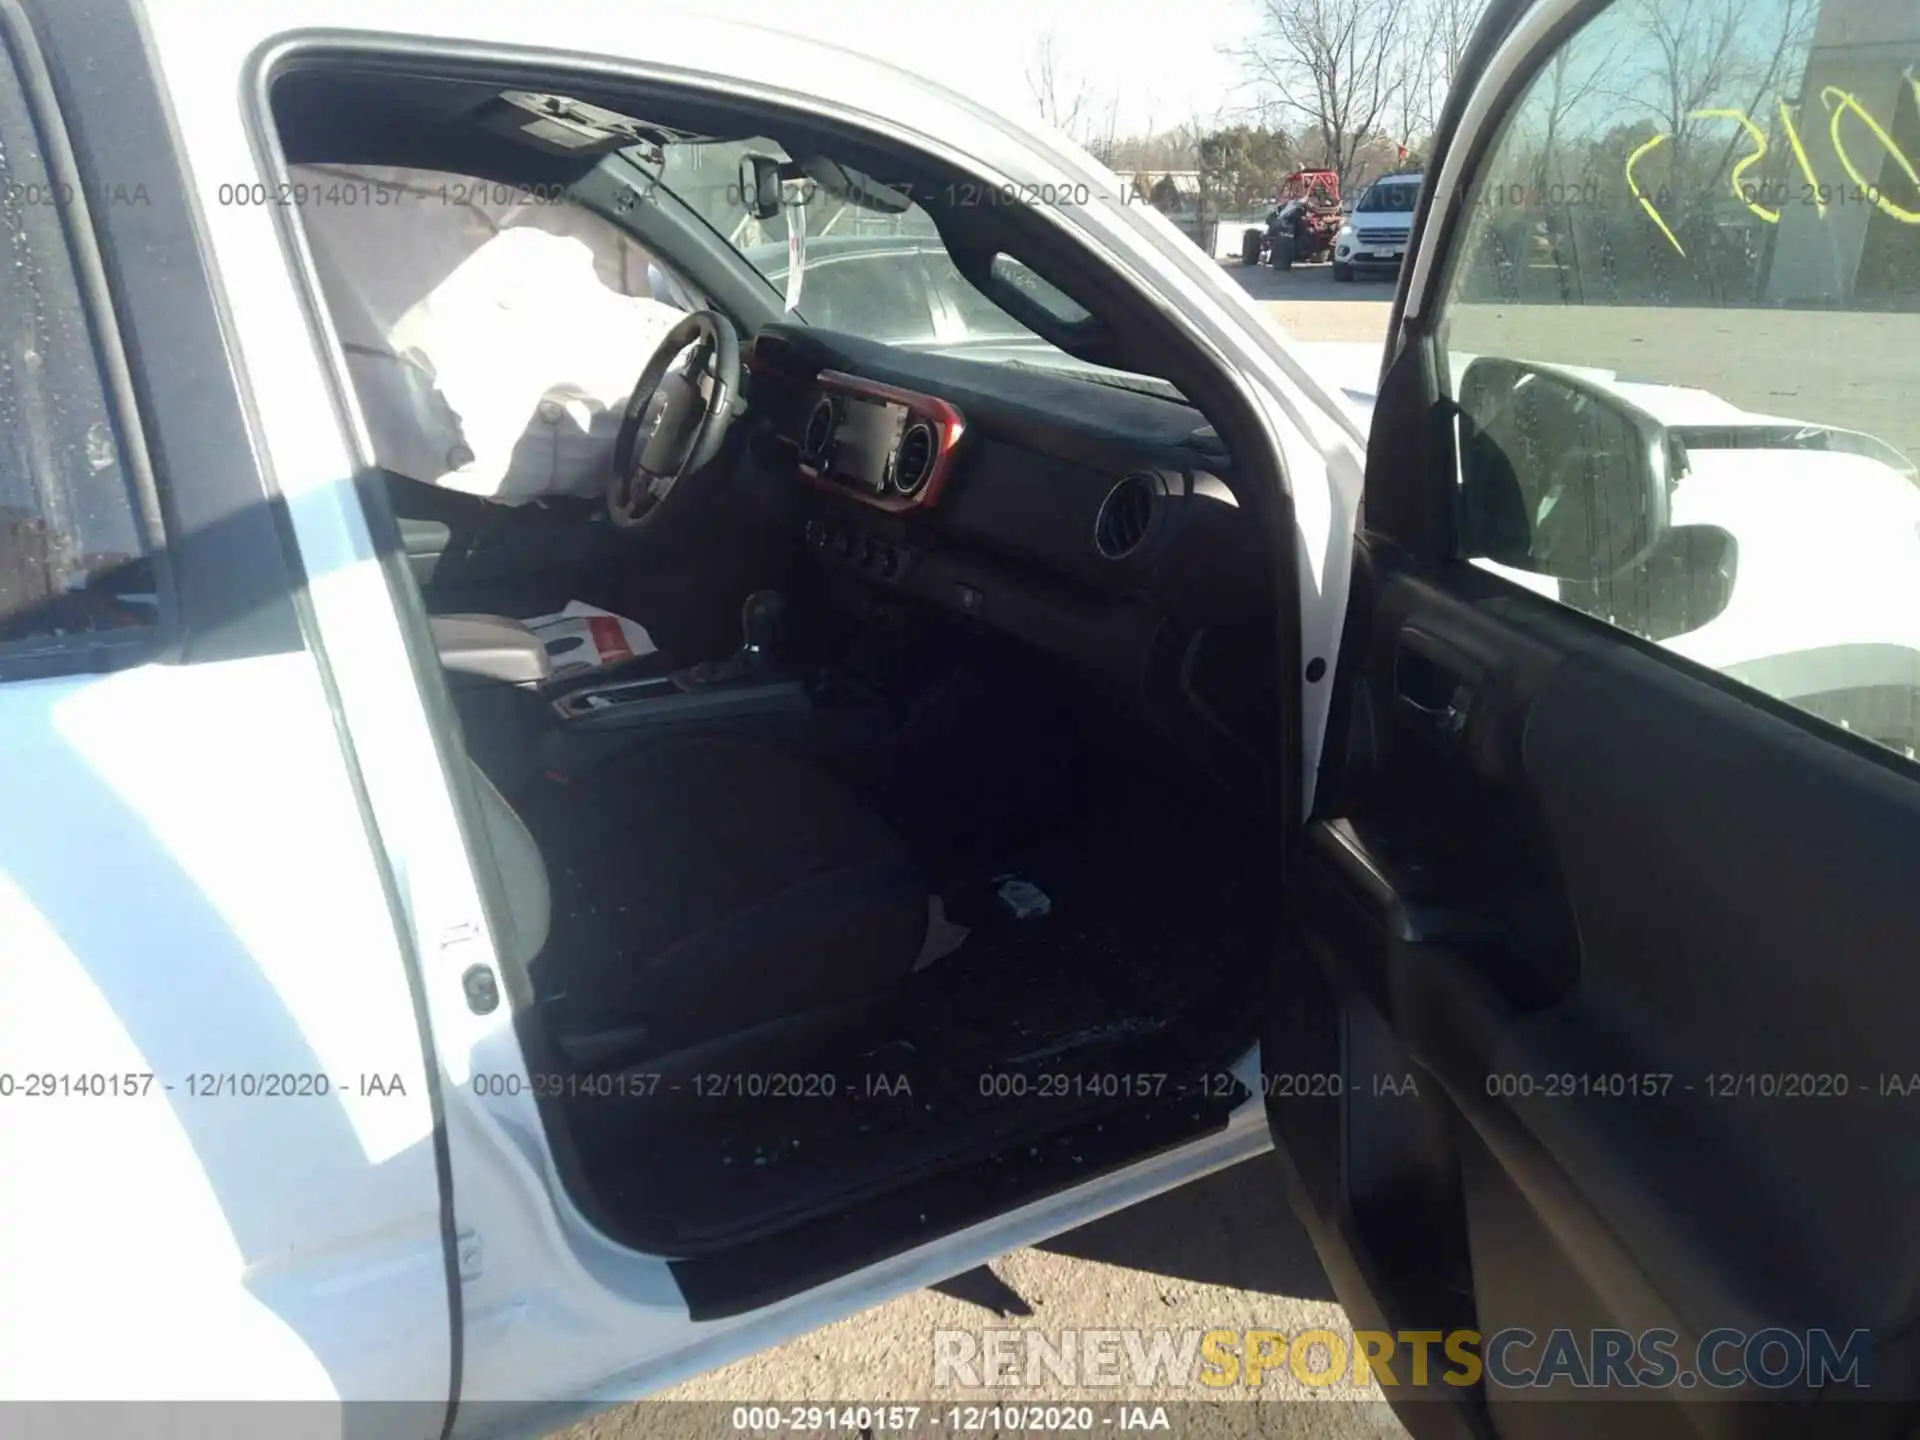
{"points": [[760, 185], [1558, 474]]}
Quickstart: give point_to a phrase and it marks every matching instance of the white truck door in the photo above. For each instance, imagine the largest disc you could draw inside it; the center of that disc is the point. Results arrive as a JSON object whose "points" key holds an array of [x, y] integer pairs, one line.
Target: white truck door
{"points": [[224, 1172]]}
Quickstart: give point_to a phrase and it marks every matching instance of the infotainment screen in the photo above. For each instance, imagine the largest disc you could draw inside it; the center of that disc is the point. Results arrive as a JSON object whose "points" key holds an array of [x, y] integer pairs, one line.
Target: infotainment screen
{"points": [[864, 441]]}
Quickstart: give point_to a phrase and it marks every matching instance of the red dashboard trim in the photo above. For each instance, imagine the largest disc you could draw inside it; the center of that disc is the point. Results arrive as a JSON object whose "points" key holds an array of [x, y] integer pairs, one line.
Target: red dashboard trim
{"points": [[949, 425]]}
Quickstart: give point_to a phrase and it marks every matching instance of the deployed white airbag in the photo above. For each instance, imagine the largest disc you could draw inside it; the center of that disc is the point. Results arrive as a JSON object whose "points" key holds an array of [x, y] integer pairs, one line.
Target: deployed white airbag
{"points": [[492, 335]]}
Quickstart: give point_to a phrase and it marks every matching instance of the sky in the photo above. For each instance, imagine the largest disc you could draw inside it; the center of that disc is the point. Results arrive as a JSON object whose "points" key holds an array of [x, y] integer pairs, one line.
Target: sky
{"points": [[1158, 58]]}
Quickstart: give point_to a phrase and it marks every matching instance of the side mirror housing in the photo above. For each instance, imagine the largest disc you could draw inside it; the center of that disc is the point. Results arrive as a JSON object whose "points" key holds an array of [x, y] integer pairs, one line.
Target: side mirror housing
{"points": [[1559, 475]]}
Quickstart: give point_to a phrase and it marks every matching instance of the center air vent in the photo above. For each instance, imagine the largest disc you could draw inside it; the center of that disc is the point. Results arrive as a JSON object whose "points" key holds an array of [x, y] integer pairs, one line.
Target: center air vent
{"points": [[913, 460], [1125, 515], [817, 438]]}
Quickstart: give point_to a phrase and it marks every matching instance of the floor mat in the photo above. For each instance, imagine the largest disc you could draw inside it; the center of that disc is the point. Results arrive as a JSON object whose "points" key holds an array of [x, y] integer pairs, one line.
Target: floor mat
{"points": [[1156, 919]]}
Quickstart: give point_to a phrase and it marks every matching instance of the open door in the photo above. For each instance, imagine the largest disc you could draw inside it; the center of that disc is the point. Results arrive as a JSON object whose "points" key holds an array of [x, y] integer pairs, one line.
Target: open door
{"points": [[1612, 900]]}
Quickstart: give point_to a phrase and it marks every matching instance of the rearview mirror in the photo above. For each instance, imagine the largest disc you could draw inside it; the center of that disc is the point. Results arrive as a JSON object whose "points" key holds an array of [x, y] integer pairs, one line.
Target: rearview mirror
{"points": [[760, 186], [1558, 474]]}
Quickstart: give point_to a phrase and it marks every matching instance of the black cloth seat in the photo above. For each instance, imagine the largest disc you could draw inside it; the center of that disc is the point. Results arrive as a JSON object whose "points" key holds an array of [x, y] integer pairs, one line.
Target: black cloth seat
{"points": [[707, 888]]}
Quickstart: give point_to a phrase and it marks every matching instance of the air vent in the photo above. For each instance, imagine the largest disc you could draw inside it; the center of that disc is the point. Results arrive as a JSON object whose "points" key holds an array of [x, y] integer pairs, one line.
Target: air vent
{"points": [[913, 460], [817, 439], [1125, 516]]}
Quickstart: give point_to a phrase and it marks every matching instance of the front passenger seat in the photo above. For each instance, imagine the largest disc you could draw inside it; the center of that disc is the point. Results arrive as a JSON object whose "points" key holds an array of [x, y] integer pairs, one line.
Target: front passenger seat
{"points": [[703, 901]]}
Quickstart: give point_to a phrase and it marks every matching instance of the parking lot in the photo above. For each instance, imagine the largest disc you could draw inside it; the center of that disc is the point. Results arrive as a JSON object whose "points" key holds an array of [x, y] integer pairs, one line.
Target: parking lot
{"points": [[1311, 306]]}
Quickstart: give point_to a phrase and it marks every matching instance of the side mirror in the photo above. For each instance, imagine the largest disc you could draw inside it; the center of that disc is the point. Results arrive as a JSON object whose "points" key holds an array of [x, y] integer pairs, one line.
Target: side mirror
{"points": [[1559, 475], [760, 185]]}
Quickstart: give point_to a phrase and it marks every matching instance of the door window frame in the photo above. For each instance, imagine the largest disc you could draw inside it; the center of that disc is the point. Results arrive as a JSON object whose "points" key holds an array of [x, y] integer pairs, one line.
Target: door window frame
{"points": [[1413, 467]]}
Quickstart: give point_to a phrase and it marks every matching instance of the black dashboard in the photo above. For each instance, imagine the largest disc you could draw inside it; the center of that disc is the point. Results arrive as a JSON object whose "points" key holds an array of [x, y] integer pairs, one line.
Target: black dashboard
{"points": [[1096, 524]]}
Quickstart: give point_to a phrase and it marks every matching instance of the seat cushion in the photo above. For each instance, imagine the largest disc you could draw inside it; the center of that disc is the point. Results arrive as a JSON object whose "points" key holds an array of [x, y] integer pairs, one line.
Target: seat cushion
{"points": [[706, 887]]}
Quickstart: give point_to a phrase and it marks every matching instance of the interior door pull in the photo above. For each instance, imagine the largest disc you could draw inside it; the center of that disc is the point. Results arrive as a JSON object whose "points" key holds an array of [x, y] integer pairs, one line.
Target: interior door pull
{"points": [[1448, 718], [1431, 691]]}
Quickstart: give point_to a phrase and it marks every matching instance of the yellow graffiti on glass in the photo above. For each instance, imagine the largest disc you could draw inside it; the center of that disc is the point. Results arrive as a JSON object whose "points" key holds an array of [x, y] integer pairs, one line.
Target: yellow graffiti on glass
{"points": [[1646, 204], [1745, 122], [1800, 155], [1840, 102]]}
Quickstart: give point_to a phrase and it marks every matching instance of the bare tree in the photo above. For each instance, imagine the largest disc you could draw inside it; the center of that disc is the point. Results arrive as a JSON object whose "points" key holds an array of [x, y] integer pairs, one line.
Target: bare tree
{"points": [[1433, 46], [1565, 91], [1337, 64], [1063, 99], [1103, 132], [1706, 59]]}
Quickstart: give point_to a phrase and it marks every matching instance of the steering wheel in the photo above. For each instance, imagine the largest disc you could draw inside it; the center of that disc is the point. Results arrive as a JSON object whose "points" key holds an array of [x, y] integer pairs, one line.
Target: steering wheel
{"points": [[675, 419]]}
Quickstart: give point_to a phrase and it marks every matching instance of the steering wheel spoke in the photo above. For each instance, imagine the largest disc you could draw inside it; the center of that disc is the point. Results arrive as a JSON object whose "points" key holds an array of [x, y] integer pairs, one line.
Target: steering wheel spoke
{"points": [[671, 426]]}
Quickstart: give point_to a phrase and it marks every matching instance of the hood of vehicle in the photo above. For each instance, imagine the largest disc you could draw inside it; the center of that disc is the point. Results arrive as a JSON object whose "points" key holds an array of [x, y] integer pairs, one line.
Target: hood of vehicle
{"points": [[1349, 368]]}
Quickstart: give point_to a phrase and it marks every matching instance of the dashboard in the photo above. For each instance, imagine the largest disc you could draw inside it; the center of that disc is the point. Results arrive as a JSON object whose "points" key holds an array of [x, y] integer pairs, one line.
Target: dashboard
{"points": [[1094, 524]]}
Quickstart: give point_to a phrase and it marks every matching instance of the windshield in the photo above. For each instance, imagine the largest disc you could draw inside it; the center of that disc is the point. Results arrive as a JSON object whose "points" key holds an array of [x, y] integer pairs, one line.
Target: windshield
{"points": [[885, 277], [1389, 197]]}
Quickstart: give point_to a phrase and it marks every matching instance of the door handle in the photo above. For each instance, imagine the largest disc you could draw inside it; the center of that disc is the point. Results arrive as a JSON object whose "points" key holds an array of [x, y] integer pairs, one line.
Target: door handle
{"points": [[1429, 688], [1447, 719]]}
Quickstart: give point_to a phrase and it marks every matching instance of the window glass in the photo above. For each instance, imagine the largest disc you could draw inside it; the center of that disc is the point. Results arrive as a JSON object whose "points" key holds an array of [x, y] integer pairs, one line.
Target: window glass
{"points": [[855, 286], [978, 317], [74, 557], [874, 275], [1699, 235]]}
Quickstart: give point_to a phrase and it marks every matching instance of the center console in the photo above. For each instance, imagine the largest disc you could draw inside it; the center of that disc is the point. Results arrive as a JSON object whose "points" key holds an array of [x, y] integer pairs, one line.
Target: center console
{"points": [[520, 722], [750, 681], [665, 700]]}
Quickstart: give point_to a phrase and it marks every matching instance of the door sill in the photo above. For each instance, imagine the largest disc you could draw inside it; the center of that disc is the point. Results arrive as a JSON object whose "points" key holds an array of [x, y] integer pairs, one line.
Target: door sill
{"points": [[787, 1262]]}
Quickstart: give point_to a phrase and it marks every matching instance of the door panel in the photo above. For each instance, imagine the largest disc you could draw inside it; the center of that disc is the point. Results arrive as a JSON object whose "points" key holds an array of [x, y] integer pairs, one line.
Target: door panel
{"points": [[1630, 942], [1562, 855]]}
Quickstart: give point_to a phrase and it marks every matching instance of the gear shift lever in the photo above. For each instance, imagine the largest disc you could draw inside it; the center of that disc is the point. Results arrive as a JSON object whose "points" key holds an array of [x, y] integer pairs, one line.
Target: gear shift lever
{"points": [[762, 622]]}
